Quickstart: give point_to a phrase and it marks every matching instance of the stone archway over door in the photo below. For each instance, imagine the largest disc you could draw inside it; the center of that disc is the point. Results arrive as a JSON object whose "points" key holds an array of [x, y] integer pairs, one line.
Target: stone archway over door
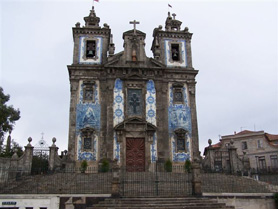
{"points": [[135, 154]]}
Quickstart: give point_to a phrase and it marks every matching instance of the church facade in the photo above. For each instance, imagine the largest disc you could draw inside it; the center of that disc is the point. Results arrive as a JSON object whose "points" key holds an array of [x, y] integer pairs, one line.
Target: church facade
{"points": [[130, 107]]}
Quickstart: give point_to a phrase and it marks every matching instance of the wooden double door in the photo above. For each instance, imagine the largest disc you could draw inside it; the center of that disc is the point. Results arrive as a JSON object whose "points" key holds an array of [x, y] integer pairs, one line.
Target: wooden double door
{"points": [[135, 154]]}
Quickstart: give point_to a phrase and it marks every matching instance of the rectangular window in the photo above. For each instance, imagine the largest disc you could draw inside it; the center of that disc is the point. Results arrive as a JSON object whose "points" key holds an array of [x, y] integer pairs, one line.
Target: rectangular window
{"points": [[87, 143], [178, 96], [29, 208], [181, 144], [88, 91], [262, 163], [244, 145], [274, 161], [134, 102], [175, 52], [43, 207], [259, 142], [91, 49]]}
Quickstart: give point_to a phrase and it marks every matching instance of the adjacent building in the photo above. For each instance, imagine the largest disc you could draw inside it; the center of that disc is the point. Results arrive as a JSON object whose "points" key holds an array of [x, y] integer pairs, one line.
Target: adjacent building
{"points": [[260, 148]]}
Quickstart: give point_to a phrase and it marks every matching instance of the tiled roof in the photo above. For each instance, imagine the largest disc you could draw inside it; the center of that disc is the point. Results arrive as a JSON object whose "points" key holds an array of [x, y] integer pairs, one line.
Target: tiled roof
{"points": [[218, 145], [271, 137], [245, 132]]}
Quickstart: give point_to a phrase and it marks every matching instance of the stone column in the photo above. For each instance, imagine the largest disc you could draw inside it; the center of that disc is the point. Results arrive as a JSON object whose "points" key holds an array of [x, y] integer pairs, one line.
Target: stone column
{"points": [[210, 154], [72, 120], [108, 123], [163, 149], [233, 157], [195, 135], [28, 155], [188, 53], [116, 179], [52, 154], [196, 178]]}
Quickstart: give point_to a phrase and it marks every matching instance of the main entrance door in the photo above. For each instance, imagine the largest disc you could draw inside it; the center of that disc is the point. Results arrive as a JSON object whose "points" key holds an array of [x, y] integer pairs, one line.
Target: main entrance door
{"points": [[135, 154]]}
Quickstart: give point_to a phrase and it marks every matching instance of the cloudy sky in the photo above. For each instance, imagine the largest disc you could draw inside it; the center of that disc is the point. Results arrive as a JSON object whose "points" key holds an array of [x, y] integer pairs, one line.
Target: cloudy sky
{"points": [[234, 47]]}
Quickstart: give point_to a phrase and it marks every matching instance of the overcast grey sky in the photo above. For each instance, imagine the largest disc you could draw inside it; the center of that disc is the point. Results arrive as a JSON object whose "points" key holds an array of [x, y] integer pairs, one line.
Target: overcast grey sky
{"points": [[234, 47]]}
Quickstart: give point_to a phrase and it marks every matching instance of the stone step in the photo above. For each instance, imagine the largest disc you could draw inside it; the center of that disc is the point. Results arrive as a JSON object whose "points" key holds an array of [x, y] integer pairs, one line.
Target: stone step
{"points": [[162, 204], [166, 199], [159, 202], [167, 203], [163, 207]]}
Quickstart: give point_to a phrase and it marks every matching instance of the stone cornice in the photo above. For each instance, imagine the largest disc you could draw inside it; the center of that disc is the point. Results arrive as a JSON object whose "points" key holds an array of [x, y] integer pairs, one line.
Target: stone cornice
{"points": [[175, 34], [95, 31]]}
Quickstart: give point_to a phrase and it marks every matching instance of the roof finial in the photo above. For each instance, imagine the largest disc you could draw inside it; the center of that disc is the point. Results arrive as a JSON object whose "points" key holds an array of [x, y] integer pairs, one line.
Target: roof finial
{"points": [[134, 25]]}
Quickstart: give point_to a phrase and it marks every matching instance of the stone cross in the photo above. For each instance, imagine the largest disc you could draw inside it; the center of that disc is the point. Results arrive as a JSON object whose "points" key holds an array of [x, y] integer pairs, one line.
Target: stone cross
{"points": [[42, 134], [134, 25], [134, 102]]}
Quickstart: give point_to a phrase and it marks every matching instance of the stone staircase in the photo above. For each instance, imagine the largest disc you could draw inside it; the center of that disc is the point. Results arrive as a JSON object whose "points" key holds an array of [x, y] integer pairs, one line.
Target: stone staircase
{"points": [[161, 203], [224, 183], [59, 183], [77, 183]]}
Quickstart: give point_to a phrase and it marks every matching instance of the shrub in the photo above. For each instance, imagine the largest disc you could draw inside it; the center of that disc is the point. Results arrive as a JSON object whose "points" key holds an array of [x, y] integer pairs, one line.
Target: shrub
{"points": [[83, 166], [104, 166], [187, 166], [168, 166], [276, 199]]}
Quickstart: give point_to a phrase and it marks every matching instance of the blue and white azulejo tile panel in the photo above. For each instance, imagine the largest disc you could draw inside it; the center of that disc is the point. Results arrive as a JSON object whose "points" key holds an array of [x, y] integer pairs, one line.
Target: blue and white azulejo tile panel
{"points": [[116, 148], [151, 103], [154, 149], [89, 156], [82, 50], [88, 115], [179, 117], [118, 104]]}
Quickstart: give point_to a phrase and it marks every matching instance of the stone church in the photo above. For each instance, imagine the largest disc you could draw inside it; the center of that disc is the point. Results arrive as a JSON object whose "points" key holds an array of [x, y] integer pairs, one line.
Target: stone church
{"points": [[130, 107]]}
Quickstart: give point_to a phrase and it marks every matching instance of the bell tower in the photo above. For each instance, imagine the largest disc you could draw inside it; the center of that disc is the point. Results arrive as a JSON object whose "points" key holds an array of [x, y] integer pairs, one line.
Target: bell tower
{"points": [[172, 46], [92, 43]]}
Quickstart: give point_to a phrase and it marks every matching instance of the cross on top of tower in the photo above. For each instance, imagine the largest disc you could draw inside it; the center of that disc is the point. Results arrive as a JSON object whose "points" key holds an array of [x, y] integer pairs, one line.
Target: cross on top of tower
{"points": [[134, 25], [42, 134]]}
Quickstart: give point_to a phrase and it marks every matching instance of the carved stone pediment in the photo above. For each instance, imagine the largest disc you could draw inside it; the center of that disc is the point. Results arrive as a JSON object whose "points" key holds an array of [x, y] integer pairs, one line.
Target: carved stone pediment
{"points": [[180, 132], [135, 77], [135, 124], [87, 131]]}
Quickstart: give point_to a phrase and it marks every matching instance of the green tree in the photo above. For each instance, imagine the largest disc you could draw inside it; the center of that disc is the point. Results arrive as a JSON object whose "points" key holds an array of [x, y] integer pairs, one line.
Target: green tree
{"points": [[8, 116], [11, 147]]}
